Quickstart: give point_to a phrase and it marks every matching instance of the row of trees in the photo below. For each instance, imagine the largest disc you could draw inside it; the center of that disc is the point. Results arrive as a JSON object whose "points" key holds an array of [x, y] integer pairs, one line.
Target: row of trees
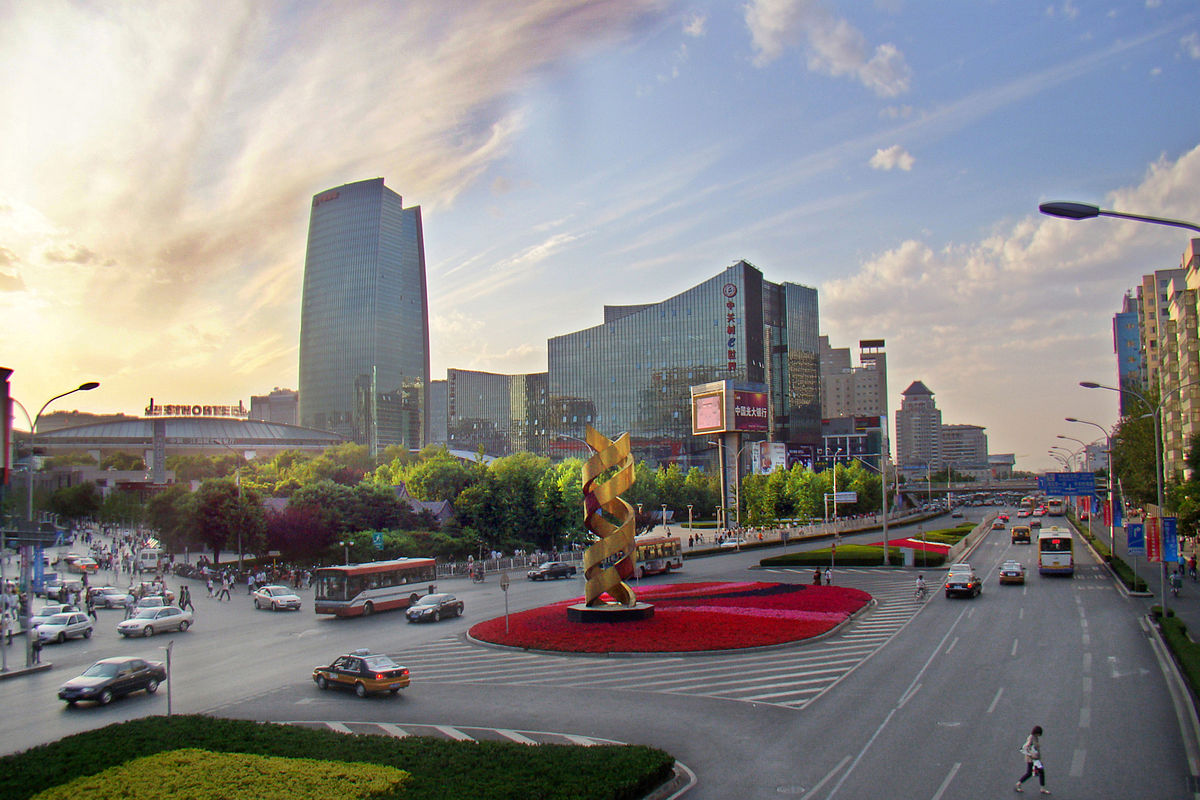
{"points": [[342, 497]]}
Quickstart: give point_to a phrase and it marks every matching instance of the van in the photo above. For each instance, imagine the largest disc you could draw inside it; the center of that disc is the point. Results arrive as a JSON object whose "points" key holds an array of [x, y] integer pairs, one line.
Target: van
{"points": [[1020, 534], [149, 557]]}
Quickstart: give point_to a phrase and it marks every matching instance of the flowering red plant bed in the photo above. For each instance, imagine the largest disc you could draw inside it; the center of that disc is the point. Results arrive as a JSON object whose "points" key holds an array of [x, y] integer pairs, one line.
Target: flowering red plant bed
{"points": [[687, 617]]}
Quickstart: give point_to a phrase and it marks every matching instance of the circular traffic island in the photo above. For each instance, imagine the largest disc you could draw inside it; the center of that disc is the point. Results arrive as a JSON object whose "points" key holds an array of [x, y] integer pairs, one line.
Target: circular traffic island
{"points": [[688, 617]]}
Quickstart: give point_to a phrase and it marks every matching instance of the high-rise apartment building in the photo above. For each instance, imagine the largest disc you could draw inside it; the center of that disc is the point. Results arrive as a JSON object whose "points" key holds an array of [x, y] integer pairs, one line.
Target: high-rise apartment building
{"points": [[964, 447], [918, 430], [278, 406], [849, 391], [1127, 344], [364, 318], [1154, 303]]}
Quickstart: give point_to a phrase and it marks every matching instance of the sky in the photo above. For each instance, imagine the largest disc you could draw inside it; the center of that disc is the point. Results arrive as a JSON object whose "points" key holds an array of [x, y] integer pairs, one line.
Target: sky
{"points": [[159, 161]]}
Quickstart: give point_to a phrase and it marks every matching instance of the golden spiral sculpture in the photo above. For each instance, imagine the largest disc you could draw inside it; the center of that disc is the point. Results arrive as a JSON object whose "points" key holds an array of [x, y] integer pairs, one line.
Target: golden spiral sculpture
{"points": [[610, 518]]}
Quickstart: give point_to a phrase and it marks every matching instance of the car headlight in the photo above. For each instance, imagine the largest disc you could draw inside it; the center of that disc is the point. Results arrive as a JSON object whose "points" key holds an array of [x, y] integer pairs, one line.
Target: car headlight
{"points": [[87, 690]]}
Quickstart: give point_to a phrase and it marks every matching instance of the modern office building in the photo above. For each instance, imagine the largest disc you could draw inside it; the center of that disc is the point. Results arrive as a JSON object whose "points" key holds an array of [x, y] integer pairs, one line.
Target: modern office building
{"points": [[364, 318], [918, 430], [503, 414], [964, 447], [1127, 344], [850, 391], [634, 372], [278, 406]]}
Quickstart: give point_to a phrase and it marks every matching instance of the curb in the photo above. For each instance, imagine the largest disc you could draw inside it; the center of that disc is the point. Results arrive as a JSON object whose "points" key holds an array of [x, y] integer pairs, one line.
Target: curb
{"points": [[17, 672]]}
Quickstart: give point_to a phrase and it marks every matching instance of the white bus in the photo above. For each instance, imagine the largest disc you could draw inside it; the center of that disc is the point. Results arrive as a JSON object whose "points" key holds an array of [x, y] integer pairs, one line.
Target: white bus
{"points": [[1056, 552]]}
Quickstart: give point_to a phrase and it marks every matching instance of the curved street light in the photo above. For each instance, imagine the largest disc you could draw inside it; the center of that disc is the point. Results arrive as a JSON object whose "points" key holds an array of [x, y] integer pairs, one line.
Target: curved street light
{"points": [[1078, 211], [1158, 454]]}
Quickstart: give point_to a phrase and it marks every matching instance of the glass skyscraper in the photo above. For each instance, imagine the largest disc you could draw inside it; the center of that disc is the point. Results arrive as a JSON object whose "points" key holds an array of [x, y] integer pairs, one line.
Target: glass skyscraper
{"points": [[635, 371], [364, 318]]}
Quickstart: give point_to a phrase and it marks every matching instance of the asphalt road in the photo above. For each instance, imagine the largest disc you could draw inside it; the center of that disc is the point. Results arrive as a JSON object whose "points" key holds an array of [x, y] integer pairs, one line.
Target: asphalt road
{"points": [[912, 700]]}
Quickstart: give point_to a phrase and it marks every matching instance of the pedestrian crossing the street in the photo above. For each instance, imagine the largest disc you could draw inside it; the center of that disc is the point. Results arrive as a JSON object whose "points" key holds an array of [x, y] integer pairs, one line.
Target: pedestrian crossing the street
{"points": [[792, 676]]}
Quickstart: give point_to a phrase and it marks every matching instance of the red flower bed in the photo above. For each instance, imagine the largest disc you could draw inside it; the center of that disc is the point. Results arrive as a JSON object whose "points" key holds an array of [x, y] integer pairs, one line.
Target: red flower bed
{"points": [[916, 544], [687, 617]]}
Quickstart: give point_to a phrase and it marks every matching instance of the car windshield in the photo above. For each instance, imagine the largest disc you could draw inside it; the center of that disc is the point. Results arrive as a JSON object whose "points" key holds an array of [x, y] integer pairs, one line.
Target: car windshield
{"points": [[146, 613], [380, 662], [58, 619], [101, 671], [431, 599]]}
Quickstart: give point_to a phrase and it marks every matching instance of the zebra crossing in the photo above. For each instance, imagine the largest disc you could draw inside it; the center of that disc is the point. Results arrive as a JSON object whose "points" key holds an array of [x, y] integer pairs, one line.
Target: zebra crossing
{"points": [[791, 677], [460, 733]]}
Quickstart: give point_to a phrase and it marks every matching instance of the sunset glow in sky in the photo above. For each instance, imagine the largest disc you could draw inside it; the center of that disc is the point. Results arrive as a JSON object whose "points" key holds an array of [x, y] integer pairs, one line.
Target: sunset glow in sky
{"points": [[159, 160]]}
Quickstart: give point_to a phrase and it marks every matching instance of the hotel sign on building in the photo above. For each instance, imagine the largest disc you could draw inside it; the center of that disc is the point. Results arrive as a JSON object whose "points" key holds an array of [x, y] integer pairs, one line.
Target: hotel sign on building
{"points": [[196, 410]]}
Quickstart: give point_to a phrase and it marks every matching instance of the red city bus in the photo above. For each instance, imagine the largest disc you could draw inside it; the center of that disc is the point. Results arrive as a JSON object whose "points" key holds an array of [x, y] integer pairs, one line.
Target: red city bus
{"points": [[359, 590], [656, 553]]}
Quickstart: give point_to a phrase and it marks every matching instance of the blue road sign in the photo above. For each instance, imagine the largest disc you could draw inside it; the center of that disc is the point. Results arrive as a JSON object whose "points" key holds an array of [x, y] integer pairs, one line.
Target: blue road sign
{"points": [[1068, 484], [1135, 536], [378, 537], [1170, 536]]}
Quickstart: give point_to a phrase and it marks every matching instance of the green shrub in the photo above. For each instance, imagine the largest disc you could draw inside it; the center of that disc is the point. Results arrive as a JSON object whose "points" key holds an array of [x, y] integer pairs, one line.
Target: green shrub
{"points": [[440, 769], [849, 555], [191, 774], [1187, 652]]}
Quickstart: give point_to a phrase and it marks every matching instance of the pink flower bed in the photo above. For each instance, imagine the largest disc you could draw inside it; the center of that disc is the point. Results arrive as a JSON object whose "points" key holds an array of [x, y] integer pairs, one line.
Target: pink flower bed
{"points": [[916, 544], [687, 617]]}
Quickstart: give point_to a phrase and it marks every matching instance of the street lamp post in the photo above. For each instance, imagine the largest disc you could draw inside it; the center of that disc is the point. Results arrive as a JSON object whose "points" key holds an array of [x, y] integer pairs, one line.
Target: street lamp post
{"points": [[664, 517], [26, 605], [1078, 211], [1158, 457], [346, 546], [237, 480], [1112, 520]]}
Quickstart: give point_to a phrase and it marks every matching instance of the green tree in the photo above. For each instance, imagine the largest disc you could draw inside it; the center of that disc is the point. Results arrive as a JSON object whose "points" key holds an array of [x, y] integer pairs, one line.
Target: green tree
{"points": [[76, 503], [170, 514], [1133, 454], [121, 508], [76, 458], [123, 462], [222, 513]]}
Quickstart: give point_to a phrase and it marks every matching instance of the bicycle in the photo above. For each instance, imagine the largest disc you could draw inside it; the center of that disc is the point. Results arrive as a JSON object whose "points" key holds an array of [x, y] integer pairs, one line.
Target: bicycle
{"points": [[921, 593]]}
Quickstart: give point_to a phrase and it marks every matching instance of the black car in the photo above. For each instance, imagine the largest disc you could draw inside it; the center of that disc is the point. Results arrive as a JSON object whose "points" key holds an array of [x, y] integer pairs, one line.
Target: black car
{"points": [[551, 569], [113, 677], [433, 607]]}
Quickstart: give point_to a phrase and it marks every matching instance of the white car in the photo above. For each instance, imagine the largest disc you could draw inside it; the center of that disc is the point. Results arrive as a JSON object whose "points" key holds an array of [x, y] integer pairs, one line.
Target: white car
{"points": [[150, 621], [49, 610], [61, 627], [276, 597], [110, 597]]}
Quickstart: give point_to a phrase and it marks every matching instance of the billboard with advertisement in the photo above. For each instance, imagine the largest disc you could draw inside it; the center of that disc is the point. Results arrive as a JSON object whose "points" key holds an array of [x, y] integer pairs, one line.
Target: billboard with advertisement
{"points": [[730, 407], [750, 411], [769, 456], [708, 413]]}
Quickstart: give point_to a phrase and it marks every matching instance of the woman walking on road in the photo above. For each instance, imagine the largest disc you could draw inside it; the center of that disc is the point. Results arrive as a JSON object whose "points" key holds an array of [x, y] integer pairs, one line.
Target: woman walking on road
{"points": [[1032, 751]]}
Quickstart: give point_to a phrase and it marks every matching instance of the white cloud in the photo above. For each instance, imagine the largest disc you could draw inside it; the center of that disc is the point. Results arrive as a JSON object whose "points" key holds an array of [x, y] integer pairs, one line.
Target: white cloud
{"points": [[1029, 306], [695, 24], [1191, 45], [834, 46], [894, 157]]}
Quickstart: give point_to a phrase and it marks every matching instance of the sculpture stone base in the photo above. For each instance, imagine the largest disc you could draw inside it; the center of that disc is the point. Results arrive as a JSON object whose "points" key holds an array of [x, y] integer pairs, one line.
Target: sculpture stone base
{"points": [[609, 612]]}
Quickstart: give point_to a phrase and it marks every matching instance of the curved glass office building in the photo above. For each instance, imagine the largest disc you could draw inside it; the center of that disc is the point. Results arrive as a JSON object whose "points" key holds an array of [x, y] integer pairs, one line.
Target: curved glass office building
{"points": [[364, 318], [635, 371]]}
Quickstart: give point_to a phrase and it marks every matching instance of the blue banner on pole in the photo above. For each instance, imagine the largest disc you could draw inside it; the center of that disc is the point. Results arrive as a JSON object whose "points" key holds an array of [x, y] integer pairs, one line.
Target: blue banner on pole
{"points": [[1135, 538], [1170, 534]]}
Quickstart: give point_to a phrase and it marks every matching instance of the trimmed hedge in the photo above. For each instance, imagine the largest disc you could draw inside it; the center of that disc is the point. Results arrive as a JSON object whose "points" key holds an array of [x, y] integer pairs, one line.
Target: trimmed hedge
{"points": [[192, 774], [1187, 652], [440, 769], [849, 555]]}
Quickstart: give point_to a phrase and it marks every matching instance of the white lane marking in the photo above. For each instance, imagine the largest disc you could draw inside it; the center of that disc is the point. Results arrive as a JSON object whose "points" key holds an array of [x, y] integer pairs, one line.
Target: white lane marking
{"points": [[1085, 717], [514, 736], [1014, 647], [393, 730], [951, 647], [826, 779], [946, 783], [1087, 684], [912, 690], [995, 700], [337, 726], [579, 740], [453, 733], [1087, 662], [1077, 763]]}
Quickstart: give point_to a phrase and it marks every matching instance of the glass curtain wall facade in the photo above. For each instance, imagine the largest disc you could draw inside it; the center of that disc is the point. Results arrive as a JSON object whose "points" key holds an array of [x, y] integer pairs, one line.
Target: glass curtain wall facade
{"points": [[634, 372], [503, 414], [364, 320]]}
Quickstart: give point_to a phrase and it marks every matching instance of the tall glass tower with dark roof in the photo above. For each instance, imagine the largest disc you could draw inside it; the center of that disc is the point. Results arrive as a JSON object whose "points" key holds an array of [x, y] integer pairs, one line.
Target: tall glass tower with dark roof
{"points": [[364, 318]]}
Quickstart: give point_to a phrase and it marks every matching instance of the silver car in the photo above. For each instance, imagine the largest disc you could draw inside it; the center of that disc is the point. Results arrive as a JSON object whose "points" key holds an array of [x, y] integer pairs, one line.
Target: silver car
{"points": [[276, 597], [61, 627], [150, 621], [49, 610]]}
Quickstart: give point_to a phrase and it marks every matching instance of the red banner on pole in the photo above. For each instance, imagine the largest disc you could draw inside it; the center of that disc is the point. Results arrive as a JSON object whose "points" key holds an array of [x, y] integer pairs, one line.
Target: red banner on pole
{"points": [[1153, 540]]}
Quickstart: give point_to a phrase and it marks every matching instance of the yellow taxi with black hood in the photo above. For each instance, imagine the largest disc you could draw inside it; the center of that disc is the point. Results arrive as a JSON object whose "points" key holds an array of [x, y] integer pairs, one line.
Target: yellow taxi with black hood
{"points": [[364, 672]]}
